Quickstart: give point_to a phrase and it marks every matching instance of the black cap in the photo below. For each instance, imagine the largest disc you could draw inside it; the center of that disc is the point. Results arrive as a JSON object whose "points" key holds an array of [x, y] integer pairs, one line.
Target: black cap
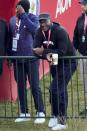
{"points": [[25, 4], [44, 16], [83, 1]]}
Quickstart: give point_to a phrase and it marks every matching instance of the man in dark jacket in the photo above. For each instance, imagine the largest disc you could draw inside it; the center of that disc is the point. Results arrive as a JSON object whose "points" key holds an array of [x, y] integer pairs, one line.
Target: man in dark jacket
{"points": [[22, 29], [3, 41], [52, 38], [80, 43]]}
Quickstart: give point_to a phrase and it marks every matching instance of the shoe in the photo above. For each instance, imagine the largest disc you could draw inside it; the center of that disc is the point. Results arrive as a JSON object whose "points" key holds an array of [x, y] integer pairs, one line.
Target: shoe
{"points": [[62, 120], [59, 127], [23, 117], [52, 122], [40, 118]]}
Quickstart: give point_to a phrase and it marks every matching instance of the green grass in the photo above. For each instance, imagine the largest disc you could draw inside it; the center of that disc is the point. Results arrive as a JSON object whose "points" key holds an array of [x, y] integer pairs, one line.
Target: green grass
{"points": [[9, 125], [76, 104]]}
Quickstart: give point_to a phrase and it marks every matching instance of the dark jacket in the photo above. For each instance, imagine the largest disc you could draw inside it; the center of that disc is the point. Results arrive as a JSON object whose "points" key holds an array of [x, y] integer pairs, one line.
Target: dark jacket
{"points": [[60, 38], [28, 26], [78, 33], [3, 41], [3, 37]]}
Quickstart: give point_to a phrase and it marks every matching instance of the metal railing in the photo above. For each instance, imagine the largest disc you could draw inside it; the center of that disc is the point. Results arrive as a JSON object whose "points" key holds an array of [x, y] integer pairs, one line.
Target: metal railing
{"points": [[77, 95]]}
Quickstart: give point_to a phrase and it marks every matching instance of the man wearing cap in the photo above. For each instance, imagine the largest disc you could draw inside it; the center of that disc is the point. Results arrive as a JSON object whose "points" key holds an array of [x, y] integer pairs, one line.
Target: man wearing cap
{"points": [[51, 38], [21, 32], [80, 43]]}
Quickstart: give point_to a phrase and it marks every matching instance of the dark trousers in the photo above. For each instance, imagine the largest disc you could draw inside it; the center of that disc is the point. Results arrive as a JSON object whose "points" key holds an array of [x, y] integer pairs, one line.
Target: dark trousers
{"points": [[21, 71], [58, 90], [1, 66]]}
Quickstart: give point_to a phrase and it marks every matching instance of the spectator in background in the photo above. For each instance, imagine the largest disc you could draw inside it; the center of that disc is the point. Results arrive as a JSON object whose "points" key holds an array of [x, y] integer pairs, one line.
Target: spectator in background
{"points": [[3, 41], [52, 38], [80, 43], [21, 32]]}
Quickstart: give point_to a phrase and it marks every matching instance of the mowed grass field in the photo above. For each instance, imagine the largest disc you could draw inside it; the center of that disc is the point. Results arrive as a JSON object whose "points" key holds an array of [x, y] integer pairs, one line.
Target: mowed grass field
{"points": [[76, 104], [9, 125]]}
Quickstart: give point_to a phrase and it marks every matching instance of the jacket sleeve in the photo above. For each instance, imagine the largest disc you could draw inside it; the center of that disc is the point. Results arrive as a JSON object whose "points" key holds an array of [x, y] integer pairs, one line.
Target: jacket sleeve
{"points": [[9, 43], [75, 36], [62, 41], [6, 40], [38, 42], [31, 23], [37, 39]]}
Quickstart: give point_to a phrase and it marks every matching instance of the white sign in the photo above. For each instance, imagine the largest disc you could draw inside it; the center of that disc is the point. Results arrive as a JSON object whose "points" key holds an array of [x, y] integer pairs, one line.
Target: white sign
{"points": [[62, 6]]}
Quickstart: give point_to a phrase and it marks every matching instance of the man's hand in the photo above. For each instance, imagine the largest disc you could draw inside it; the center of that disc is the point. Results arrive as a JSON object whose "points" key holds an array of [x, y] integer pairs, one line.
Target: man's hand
{"points": [[19, 10], [38, 51], [52, 58], [49, 57]]}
